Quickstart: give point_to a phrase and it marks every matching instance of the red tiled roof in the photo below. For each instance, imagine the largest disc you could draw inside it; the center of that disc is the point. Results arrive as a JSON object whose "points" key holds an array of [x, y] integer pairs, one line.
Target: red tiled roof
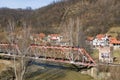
{"points": [[41, 35], [114, 41], [100, 36], [54, 35], [90, 38]]}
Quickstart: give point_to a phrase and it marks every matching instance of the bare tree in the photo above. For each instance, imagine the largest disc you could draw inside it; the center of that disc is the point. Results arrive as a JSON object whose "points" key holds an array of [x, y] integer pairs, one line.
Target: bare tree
{"points": [[74, 32], [21, 44]]}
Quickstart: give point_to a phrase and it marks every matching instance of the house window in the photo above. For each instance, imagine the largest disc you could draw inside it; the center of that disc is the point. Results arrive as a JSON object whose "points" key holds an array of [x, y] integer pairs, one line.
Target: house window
{"points": [[105, 55]]}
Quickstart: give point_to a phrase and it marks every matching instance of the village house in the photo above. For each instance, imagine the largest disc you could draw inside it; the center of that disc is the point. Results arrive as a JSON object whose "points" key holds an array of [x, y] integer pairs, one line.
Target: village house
{"points": [[90, 40], [54, 39], [106, 54], [42, 39], [115, 43], [101, 40], [38, 38]]}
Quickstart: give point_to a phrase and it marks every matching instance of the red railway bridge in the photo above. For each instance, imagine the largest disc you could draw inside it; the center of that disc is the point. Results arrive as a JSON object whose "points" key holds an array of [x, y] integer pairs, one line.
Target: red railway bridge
{"points": [[62, 54]]}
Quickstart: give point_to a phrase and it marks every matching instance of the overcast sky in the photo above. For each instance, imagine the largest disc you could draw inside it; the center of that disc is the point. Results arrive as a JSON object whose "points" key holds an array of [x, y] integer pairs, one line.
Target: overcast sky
{"points": [[25, 3]]}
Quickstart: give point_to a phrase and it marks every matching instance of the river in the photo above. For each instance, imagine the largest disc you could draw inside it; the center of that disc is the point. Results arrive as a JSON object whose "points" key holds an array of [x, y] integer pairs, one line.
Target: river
{"points": [[56, 72]]}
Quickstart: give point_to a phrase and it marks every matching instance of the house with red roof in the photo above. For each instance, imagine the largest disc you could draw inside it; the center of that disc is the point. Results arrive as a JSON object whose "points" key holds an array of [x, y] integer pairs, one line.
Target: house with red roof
{"points": [[90, 39], [54, 38], [104, 40], [114, 42], [38, 38], [101, 40]]}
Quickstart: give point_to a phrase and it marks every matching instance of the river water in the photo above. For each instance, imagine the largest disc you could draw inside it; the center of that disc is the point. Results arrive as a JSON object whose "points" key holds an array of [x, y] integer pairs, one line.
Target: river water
{"points": [[48, 71]]}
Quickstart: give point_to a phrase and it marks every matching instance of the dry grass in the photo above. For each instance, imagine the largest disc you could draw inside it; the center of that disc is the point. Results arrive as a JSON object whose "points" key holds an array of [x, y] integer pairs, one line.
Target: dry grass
{"points": [[4, 64], [113, 31], [2, 67], [116, 53], [95, 54], [115, 73], [72, 75]]}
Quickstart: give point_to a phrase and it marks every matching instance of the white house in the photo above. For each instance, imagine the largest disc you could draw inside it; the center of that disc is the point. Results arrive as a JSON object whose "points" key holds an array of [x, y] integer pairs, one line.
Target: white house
{"points": [[54, 38], [106, 54], [101, 40]]}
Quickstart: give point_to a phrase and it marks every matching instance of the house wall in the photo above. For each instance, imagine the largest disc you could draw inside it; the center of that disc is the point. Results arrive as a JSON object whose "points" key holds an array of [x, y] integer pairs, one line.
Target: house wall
{"points": [[105, 54], [115, 46], [101, 42]]}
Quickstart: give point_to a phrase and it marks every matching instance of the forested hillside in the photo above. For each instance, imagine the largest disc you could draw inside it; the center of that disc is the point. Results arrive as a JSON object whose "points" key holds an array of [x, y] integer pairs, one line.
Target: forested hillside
{"points": [[95, 16]]}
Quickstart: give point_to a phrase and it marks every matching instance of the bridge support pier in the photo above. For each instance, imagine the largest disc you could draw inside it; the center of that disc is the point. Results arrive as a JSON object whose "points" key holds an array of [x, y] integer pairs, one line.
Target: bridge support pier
{"points": [[93, 72]]}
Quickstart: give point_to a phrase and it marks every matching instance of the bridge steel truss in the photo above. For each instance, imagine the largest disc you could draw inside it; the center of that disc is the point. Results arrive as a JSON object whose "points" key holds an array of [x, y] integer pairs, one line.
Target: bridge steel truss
{"points": [[62, 54]]}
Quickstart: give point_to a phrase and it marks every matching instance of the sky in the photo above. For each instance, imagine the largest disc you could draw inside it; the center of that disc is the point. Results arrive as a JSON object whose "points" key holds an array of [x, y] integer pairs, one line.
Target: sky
{"points": [[34, 4]]}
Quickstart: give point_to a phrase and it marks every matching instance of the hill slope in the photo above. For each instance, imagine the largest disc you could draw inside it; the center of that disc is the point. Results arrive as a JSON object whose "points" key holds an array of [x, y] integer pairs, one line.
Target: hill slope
{"points": [[95, 16]]}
